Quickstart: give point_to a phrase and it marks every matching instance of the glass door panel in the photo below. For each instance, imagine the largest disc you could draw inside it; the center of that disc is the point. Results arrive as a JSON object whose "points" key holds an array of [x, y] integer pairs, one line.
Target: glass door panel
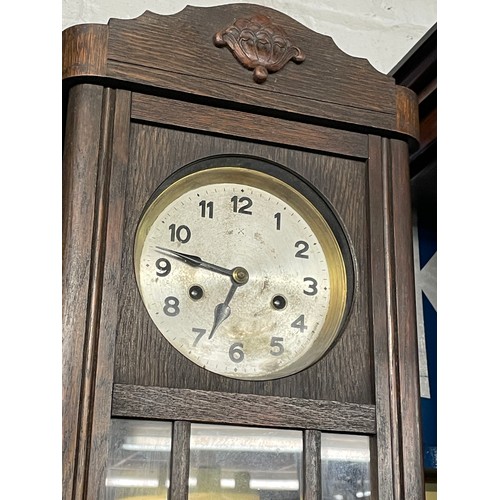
{"points": [[242, 463], [139, 460], [345, 467], [232, 463]]}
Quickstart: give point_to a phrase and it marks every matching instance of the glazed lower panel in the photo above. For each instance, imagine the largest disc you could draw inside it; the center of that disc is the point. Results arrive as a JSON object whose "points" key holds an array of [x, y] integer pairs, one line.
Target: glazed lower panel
{"points": [[232, 462]]}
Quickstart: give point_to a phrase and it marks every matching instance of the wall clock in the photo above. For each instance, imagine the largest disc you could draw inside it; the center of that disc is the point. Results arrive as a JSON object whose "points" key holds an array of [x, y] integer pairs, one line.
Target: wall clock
{"points": [[237, 263], [244, 267]]}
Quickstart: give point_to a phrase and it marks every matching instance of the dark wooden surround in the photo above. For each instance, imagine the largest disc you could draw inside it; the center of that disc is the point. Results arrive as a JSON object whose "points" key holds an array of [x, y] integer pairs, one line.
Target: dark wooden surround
{"points": [[418, 71], [144, 97]]}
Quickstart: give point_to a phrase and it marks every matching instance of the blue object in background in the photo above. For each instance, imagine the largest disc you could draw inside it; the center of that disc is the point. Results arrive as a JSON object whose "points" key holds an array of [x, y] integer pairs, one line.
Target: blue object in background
{"points": [[429, 405], [427, 247]]}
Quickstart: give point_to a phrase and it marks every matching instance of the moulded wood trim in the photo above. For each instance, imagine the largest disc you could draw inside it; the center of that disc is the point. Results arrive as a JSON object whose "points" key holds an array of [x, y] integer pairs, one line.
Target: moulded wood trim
{"points": [[386, 446], [163, 403], [107, 263], [418, 71], [177, 53], [249, 126], [80, 180], [405, 323], [92, 330], [407, 119], [340, 115], [85, 50], [394, 331]]}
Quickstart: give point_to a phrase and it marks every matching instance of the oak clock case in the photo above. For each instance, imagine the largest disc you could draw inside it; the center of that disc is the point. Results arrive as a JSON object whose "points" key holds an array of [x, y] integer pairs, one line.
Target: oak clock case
{"points": [[244, 267], [149, 95]]}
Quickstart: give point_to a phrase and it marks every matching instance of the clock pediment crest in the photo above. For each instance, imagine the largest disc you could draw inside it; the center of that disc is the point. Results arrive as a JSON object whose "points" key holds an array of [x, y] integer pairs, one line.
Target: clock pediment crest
{"points": [[259, 44]]}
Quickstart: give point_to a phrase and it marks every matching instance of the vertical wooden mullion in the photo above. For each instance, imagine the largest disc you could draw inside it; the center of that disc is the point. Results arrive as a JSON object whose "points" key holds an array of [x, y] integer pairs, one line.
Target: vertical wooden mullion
{"points": [[391, 311], [91, 333], [179, 461], [407, 347], [107, 257], [382, 326], [311, 465], [394, 331], [374, 476], [80, 160]]}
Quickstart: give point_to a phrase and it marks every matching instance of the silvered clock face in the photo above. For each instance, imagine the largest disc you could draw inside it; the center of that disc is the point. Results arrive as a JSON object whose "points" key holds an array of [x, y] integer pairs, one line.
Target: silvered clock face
{"points": [[241, 273]]}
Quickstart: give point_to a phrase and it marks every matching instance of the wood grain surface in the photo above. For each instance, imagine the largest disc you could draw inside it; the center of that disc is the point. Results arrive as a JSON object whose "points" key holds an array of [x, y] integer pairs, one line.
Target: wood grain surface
{"points": [[81, 153], [238, 124], [312, 465], [177, 53], [179, 463], [241, 409], [151, 40], [380, 276], [400, 469], [85, 50], [111, 208], [410, 433]]}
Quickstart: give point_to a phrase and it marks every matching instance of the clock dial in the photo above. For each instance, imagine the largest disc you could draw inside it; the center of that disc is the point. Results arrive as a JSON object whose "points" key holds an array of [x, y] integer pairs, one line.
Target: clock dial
{"points": [[241, 273]]}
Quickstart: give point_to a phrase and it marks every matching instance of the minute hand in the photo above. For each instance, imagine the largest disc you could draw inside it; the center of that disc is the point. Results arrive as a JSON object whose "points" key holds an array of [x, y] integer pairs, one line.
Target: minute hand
{"points": [[195, 261]]}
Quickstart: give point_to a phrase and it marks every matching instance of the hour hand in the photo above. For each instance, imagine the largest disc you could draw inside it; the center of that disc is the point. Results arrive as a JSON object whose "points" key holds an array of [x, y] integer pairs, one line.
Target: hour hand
{"points": [[222, 311], [195, 261]]}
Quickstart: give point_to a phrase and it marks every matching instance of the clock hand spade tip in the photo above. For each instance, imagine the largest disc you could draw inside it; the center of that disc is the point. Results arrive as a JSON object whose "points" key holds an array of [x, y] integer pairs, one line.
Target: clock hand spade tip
{"points": [[221, 313]]}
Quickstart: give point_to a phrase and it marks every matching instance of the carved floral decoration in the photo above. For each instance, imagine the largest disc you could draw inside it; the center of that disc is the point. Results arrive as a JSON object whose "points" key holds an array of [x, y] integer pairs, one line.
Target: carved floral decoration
{"points": [[260, 45]]}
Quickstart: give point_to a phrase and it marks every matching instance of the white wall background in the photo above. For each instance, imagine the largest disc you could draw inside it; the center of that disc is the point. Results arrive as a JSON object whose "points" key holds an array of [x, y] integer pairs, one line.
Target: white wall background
{"points": [[382, 31]]}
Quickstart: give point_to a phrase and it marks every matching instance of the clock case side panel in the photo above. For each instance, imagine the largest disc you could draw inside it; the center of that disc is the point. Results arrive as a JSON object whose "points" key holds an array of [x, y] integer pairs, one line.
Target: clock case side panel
{"points": [[398, 444], [96, 142], [411, 431], [79, 185]]}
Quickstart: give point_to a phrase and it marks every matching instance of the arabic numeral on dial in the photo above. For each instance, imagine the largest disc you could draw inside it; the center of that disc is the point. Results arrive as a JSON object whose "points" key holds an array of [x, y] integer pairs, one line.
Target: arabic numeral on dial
{"points": [[236, 353], [200, 332], [277, 342], [303, 247], [300, 323], [171, 307], [207, 208], [163, 267], [312, 288], [180, 233], [277, 216], [245, 203]]}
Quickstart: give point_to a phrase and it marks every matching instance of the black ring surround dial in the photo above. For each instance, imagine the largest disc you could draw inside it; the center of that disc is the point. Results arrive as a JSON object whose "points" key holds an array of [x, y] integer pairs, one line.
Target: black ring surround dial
{"points": [[225, 217]]}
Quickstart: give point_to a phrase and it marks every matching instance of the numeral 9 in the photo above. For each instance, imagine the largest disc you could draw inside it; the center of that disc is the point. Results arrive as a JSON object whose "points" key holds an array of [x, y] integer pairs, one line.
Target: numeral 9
{"points": [[163, 267]]}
